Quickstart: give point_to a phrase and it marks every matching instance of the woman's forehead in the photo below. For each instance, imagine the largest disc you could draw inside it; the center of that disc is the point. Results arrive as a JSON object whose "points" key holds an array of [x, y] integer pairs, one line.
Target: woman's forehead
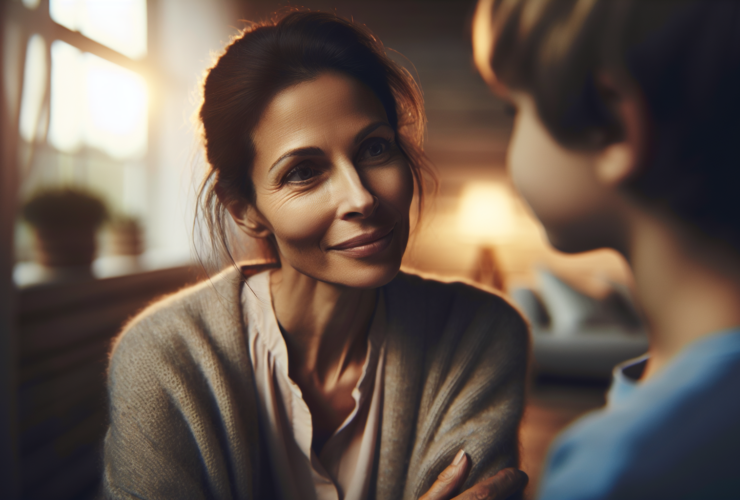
{"points": [[324, 109]]}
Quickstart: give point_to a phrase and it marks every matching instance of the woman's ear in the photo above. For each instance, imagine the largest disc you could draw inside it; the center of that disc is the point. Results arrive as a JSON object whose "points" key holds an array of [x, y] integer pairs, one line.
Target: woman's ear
{"points": [[623, 159], [245, 215], [249, 219]]}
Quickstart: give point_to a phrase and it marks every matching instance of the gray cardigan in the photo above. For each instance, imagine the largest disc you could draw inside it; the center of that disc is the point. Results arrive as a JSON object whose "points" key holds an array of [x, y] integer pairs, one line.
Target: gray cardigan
{"points": [[183, 412]]}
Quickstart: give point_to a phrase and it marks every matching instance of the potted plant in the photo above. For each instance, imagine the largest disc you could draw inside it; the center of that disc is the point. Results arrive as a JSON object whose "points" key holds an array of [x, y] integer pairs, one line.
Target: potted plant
{"points": [[65, 223], [125, 236]]}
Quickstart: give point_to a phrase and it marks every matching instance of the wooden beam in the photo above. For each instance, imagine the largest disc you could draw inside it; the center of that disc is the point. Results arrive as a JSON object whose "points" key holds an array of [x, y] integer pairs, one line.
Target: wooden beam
{"points": [[41, 22]]}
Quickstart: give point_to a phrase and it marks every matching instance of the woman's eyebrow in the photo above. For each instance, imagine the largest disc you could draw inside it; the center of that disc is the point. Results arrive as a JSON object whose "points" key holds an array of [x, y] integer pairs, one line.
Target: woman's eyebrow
{"points": [[309, 151], [314, 151], [369, 129]]}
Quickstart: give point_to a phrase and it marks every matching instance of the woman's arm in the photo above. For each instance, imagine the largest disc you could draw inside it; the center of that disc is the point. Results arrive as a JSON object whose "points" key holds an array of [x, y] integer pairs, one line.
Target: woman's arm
{"points": [[473, 397], [455, 379], [151, 447], [502, 486], [183, 421]]}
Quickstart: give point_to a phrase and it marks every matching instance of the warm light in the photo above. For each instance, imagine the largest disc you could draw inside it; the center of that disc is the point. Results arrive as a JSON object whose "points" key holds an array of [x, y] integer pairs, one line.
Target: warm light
{"points": [[34, 84], [119, 24], [67, 97], [116, 120], [96, 103], [486, 213]]}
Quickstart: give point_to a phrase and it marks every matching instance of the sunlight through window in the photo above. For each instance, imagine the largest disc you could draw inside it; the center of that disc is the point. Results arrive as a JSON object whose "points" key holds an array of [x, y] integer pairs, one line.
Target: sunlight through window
{"points": [[96, 103], [116, 121], [67, 98], [34, 83], [118, 24]]}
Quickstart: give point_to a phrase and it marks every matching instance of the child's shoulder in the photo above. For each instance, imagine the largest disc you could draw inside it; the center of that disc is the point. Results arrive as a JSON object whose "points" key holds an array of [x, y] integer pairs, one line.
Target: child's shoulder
{"points": [[681, 423]]}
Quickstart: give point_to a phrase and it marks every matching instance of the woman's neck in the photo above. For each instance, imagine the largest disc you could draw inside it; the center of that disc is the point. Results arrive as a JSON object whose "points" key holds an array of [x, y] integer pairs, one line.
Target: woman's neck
{"points": [[325, 326]]}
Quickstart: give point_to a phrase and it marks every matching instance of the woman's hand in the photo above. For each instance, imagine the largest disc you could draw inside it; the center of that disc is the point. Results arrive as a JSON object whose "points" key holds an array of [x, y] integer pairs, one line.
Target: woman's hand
{"points": [[502, 485]]}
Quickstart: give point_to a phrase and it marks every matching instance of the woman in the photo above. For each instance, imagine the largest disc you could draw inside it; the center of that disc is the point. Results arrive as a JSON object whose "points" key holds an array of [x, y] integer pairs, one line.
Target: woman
{"points": [[334, 376]]}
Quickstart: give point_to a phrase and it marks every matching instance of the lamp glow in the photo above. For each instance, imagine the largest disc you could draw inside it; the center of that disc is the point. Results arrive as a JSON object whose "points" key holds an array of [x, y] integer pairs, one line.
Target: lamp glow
{"points": [[486, 213]]}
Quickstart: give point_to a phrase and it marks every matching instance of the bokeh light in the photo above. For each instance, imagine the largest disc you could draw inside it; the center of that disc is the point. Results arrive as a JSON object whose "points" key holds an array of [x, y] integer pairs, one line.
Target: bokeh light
{"points": [[96, 103], [118, 24], [486, 213]]}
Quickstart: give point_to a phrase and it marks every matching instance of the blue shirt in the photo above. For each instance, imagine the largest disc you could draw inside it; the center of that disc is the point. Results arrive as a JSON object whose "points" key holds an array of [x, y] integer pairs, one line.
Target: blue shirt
{"points": [[674, 436]]}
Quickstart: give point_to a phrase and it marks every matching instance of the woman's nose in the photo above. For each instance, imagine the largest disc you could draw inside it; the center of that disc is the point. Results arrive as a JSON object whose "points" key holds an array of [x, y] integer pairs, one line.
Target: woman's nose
{"points": [[355, 200]]}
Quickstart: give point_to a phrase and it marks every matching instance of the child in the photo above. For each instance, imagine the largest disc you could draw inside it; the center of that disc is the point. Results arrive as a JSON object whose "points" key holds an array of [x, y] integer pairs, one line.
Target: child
{"points": [[627, 136]]}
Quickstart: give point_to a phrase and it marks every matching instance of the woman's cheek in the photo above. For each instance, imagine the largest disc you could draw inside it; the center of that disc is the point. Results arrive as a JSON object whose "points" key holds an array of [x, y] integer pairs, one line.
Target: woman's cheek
{"points": [[301, 219], [392, 183]]}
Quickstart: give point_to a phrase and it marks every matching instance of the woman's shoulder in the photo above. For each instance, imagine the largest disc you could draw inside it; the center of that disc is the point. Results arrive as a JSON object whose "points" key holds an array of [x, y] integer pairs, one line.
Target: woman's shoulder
{"points": [[210, 305], [455, 305]]}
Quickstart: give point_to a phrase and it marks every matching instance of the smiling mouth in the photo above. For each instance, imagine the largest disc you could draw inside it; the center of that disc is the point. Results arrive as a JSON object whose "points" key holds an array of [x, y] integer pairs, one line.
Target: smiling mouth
{"points": [[367, 244]]}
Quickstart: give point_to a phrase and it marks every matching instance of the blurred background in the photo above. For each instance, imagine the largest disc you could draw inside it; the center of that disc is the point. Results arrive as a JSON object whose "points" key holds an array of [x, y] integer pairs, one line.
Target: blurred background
{"points": [[100, 166]]}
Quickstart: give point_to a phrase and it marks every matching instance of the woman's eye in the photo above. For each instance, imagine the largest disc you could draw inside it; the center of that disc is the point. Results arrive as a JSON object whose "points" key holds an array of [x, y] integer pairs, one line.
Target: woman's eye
{"points": [[301, 173], [376, 149]]}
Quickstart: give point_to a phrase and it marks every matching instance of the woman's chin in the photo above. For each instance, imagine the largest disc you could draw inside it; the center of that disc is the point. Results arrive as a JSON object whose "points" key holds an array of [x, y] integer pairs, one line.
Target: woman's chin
{"points": [[367, 277], [369, 272]]}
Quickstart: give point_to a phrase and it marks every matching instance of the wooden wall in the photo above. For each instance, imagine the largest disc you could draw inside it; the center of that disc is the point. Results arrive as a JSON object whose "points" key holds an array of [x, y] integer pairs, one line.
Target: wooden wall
{"points": [[65, 332]]}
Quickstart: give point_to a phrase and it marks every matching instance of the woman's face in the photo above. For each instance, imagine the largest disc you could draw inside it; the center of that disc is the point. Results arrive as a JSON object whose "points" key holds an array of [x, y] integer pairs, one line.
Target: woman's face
{"points": [[331, 184]]}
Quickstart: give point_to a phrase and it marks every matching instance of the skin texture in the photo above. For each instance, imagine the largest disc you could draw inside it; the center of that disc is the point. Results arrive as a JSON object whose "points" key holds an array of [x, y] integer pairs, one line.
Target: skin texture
{"points": [[357, 182], [327, 171]]}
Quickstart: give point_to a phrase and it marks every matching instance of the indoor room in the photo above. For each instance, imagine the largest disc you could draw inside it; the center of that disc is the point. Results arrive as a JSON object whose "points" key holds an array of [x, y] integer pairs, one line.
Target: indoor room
{"points": [[102, 163]]}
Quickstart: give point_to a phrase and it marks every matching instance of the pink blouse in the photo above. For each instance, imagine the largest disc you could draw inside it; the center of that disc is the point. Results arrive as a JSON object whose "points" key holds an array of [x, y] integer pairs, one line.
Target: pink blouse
{"points": [[343, 469]]}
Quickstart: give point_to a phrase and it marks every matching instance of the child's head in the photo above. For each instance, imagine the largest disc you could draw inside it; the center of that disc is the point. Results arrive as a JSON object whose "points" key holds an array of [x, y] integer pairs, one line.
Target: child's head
{"points": [[660, 76]]}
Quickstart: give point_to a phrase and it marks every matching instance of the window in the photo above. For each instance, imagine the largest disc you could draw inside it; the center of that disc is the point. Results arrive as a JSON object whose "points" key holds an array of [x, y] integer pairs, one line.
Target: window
{"points": [[84, 116], [118, 24], [96, 104], [106, 108]]}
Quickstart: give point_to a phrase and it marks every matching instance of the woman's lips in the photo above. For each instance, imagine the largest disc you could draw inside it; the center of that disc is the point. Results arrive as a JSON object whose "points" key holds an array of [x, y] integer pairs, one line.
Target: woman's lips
{"points": [[367, 244]]}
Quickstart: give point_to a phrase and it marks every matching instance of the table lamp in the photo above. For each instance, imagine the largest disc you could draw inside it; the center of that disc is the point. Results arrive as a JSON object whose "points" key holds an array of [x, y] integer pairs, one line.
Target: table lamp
{"points": [[486, 218]]}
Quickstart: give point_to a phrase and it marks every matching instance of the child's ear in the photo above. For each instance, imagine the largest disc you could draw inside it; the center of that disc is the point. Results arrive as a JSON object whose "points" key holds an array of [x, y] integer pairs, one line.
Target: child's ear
{"points": [[623, 159]]}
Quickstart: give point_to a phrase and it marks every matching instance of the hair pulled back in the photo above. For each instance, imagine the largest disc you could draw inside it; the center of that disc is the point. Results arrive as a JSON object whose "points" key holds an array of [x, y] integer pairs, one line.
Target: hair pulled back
{"points": [[272, 56]]}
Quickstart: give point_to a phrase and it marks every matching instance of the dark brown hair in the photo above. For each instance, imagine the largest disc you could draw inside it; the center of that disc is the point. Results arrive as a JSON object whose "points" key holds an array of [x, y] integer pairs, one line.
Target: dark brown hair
{"points": [[271, 56], [684, 56]]}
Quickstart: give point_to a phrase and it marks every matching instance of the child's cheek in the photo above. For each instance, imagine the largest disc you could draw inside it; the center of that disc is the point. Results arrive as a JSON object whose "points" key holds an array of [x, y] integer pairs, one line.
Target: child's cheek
{"points": [[558, 184]]}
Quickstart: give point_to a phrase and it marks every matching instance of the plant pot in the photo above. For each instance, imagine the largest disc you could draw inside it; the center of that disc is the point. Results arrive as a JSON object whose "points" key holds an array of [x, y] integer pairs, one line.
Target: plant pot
{"points": [[65, 247], [125, 239]]}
